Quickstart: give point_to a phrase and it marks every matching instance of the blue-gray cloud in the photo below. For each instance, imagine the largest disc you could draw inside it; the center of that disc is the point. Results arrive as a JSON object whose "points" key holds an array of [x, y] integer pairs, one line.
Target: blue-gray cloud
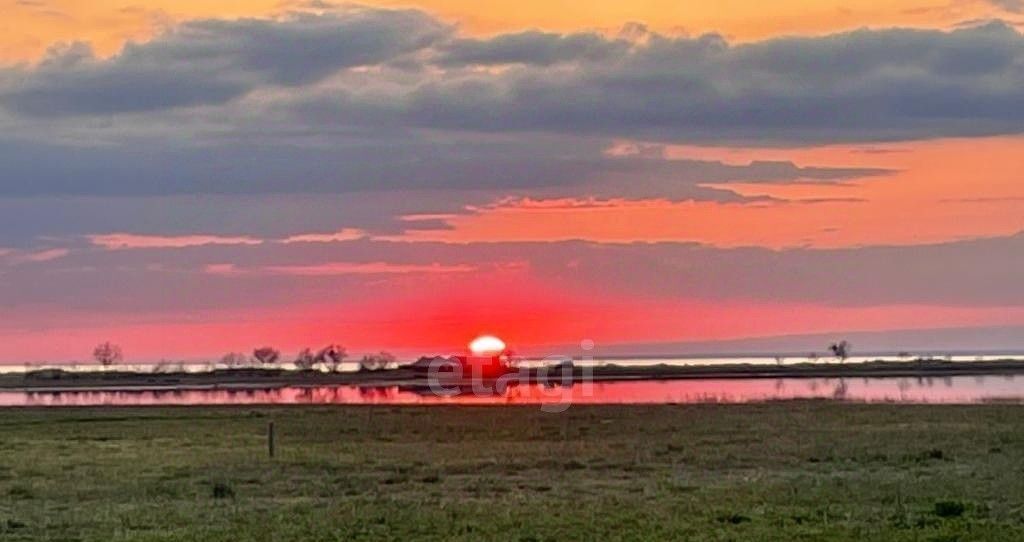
{"points": [[531, 47], [865, 85], [261, 106], [212, 61], [538, 163]]}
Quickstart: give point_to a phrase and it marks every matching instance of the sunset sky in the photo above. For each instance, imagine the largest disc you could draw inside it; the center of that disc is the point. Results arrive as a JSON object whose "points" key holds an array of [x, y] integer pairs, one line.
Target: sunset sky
{"points": [[190, 178]]}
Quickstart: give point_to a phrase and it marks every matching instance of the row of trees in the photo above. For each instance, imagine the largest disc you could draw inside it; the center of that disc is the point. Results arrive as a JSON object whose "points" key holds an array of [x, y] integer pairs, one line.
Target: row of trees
{"points": [[329, 357]]}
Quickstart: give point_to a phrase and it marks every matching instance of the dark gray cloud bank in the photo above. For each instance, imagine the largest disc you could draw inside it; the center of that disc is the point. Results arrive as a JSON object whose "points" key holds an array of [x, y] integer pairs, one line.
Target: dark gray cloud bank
{"points": [[486, 163], [368, 99], [858, 86], [862, 85], [213, 61]]}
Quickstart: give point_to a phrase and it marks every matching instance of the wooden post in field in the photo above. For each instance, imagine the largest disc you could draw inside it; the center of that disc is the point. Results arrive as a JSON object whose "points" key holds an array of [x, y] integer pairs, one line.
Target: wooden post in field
{"points": [[270, 439]]}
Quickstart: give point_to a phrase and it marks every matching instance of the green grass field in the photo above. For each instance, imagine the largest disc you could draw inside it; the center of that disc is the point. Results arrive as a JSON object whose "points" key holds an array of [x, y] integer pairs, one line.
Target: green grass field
{"points": [[784, 471]]}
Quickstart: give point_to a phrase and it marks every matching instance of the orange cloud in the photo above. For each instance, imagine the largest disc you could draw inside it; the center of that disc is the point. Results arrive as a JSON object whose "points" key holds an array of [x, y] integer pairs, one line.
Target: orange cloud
{"points": [[125, 241], [16, 257], [339, 268], [347, 234], [107, 24], [922, 202]]}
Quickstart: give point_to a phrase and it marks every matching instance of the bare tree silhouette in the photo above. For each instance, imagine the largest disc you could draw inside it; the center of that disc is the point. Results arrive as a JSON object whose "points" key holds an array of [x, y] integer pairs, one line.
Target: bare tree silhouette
{"points": [[305, 360], [375, 362], [108, 354], [331, 356], [234, 360], [840, 350], [266, 355]]}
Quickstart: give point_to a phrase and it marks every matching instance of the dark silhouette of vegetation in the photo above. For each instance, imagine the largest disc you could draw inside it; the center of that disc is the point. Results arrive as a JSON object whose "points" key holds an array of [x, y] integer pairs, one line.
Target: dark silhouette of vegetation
{"points": [[734, 518], [949, 509], [20, 492], [234, 360], [266, 355], [840, 350], [331, 356], [305, 360], [161, 367], [107, 354], [222, 490], [376, 362]]}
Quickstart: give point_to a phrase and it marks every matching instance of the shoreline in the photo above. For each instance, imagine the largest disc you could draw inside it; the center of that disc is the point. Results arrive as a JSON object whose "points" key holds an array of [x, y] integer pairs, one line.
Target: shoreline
{"points": [[56, 381]]}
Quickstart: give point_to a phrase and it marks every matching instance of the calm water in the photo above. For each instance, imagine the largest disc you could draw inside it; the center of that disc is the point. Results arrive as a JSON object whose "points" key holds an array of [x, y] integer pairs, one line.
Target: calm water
{"points": [[948, 390]]}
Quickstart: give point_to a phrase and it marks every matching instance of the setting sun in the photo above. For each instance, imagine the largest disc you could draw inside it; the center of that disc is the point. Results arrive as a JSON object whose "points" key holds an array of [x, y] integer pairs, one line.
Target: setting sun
{"points": [[487, 345]]}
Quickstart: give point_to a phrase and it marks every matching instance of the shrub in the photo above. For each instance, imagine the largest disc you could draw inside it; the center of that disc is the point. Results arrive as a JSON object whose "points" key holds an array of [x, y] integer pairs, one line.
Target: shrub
{"points": [[20, 493], [934, 454], [949, 509], [734, 518], [222, 490]]}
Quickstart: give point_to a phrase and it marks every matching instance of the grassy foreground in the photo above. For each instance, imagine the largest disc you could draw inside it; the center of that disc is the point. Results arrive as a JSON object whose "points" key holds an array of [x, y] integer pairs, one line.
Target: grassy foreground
{"points": [[783, 471]]}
